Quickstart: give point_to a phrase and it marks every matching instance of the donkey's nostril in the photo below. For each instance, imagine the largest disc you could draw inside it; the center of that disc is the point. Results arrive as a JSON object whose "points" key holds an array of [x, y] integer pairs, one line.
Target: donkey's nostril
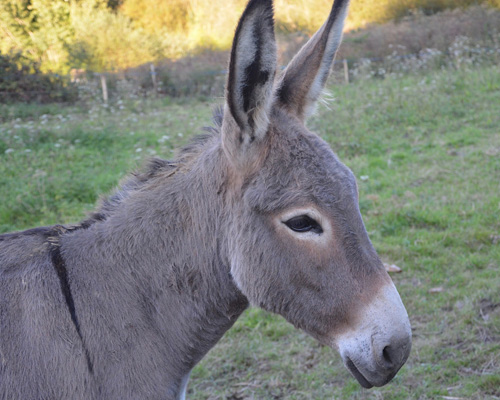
{"points": [[394, 355], [387, 356]]}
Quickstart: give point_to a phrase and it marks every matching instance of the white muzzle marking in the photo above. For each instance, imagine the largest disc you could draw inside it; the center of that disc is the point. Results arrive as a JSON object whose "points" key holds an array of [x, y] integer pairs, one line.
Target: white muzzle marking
{"points": [[375, 349]]}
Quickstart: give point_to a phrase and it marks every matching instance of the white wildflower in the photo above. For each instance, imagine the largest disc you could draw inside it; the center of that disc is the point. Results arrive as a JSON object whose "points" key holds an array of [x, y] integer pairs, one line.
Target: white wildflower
{"points": [[163, 139]]}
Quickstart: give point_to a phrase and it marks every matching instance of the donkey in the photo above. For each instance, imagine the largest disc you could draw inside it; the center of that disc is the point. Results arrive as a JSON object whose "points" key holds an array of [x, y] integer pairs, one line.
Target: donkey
{"points": [[256, 211]]}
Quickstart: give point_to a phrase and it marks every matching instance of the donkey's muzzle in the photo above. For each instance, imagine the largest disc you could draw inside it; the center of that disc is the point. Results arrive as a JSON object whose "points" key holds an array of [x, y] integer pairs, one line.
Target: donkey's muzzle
{"points": [[375, 349], [382, 366]]}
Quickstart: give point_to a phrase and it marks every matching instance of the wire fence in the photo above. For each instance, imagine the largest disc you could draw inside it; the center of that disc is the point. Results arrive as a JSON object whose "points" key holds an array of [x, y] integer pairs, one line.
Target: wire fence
{"points": [[157, 80]]}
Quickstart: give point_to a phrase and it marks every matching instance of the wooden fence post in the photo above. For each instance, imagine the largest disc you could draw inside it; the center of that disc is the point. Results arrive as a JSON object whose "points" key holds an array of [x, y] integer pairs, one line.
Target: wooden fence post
{"points": [[104, 88], [346, 70], [153, 78]]}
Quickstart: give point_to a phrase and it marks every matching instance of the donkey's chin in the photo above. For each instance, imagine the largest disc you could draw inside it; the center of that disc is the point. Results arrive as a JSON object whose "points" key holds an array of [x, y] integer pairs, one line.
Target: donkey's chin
{"points": [[357, 374], [367, 378]]}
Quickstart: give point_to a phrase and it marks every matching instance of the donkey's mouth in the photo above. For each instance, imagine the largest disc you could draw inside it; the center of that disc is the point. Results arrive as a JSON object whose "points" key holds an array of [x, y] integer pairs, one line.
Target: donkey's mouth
{"points": [[358, 375]]}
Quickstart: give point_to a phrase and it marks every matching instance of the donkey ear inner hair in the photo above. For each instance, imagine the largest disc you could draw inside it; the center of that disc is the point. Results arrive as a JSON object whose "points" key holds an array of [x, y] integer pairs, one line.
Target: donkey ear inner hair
{"points": [[252, 68]]}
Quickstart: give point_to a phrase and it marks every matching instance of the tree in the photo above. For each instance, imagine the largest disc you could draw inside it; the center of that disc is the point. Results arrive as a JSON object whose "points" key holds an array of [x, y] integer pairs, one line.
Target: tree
{"points": [[107, 41], [158, 16], [40, 29]]}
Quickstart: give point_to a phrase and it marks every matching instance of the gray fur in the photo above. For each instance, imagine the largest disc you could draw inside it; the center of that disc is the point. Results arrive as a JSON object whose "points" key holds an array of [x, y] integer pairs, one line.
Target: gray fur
{"points": [[123, 305]]}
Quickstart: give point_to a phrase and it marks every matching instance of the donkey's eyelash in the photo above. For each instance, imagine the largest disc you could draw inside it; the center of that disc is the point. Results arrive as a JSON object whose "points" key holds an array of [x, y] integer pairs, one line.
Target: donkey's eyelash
{"points": [[304, 223]]}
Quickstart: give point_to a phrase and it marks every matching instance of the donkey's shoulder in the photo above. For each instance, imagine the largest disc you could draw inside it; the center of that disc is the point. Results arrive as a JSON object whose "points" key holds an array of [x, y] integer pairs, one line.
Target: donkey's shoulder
{"points": [[43, 231], [25, 247]]}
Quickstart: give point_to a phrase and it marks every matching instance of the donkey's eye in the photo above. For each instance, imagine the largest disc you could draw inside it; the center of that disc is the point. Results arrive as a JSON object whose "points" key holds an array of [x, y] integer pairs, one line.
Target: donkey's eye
{"points": [[304, 223]]}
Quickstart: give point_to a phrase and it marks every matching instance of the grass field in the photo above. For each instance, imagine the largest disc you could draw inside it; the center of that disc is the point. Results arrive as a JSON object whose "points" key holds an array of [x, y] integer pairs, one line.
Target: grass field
{"points": [[426, 151]]}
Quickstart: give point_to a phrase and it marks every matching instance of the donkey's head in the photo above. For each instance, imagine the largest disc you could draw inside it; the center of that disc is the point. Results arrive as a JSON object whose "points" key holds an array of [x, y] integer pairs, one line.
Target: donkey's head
{"points": [[298, 245]]}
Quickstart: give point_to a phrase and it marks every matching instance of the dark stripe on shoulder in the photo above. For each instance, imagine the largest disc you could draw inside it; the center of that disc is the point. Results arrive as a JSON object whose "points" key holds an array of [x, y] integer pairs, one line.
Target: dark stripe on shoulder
{"points": [[62, 274]]}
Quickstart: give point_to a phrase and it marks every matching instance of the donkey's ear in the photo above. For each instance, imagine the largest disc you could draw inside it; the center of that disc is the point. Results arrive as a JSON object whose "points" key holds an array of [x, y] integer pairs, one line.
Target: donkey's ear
{"points": [[305, 77], [249, 89]]}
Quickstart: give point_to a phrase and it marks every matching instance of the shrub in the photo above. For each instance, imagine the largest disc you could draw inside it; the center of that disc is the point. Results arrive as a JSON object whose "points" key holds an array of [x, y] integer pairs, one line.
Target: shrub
{"points": [[22, 80]]}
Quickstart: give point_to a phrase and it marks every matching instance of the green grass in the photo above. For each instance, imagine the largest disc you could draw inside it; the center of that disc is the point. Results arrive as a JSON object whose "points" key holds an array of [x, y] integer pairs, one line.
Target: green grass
{"points": [[428, 151]]}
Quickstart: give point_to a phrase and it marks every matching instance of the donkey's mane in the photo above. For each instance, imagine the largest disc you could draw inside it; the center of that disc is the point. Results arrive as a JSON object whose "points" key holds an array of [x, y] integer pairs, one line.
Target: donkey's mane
{"points": [[154, 168]]}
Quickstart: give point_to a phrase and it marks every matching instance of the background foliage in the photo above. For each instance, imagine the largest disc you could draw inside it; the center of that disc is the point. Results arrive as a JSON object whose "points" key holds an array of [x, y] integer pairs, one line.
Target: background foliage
{"points": [[21, 80], [102, 35]]}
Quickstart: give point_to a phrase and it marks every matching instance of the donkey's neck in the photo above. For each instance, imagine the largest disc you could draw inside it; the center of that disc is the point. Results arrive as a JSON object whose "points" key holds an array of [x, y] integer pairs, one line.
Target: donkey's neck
{"points": [[162, 256]]}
